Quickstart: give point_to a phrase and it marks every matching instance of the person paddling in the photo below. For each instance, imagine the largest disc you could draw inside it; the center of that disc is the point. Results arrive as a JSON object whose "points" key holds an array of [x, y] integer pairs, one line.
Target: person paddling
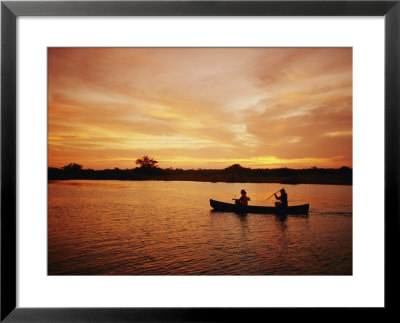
{"points": [[282, 198], [243, 200]]}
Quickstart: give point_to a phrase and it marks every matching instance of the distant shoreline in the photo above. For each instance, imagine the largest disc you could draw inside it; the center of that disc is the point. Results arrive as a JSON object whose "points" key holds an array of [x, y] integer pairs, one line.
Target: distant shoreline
{"points": [[203, 181], [232, 174]]}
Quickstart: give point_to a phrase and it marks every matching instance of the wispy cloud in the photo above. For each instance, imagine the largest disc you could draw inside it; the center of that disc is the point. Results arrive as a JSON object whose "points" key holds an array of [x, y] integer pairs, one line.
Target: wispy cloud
{"points": [[188, 107]]}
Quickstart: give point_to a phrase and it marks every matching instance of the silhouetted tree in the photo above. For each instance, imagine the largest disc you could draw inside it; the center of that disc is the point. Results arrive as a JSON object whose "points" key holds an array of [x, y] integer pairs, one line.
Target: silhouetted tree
{"points": [[147, 162], [234, 166], [72, 170], [72, 167]]}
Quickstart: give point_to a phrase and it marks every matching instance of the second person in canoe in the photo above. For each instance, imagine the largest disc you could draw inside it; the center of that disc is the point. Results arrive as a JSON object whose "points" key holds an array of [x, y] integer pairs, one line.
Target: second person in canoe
{"points": [[283, 199]]}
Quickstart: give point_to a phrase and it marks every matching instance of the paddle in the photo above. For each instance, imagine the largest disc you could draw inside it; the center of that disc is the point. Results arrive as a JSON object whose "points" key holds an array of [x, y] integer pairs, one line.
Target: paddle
{"points": [[275, 193]]}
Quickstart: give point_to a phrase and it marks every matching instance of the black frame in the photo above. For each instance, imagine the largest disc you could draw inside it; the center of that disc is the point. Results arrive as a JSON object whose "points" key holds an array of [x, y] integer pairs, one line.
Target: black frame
{"points": [[10, 10]]}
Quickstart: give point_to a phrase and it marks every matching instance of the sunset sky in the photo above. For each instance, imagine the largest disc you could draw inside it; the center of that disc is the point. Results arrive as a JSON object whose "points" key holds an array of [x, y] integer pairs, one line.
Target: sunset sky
{"points": [[200, 107]]}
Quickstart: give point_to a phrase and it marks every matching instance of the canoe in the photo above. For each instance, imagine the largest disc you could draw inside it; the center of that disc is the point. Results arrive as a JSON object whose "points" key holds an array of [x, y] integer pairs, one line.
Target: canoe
{"points": [[229, 207]]}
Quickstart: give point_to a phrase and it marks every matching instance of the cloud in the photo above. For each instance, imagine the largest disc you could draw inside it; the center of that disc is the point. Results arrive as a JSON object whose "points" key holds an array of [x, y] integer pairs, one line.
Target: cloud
{"points": [[262, 106]]}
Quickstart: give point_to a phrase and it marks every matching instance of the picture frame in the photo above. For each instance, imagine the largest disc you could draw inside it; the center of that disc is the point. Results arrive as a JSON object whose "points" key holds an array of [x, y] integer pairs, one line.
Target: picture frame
{"points": [[11, 10]]}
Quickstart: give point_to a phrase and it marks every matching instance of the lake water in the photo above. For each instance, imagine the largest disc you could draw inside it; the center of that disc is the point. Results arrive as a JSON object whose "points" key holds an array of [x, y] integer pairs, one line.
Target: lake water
{"points": [[167, 228]]}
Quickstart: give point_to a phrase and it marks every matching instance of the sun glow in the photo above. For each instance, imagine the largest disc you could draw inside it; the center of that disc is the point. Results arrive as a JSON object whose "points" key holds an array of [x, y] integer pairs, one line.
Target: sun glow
{"points": [[200, 107]]}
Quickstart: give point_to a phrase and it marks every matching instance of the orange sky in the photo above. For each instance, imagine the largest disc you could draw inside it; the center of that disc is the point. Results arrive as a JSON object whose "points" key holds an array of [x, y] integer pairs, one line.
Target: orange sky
{"points": [[200, 107]]}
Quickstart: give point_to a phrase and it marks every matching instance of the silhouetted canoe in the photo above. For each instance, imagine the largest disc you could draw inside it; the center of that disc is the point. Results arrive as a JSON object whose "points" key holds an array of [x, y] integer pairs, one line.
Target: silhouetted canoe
{"points": [[229, 207]]}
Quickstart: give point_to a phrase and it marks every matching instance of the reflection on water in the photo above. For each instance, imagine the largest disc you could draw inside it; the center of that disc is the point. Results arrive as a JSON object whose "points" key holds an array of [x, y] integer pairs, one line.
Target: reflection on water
{"points": [[168, 228]]}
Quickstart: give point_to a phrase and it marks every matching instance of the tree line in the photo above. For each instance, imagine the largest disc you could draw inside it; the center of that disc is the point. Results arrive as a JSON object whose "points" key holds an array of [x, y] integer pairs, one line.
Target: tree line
{"points": [[148, 169]]}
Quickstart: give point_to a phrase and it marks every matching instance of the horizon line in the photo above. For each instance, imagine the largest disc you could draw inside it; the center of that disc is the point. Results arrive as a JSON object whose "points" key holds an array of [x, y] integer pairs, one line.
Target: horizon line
{"points": [[199, 168]]}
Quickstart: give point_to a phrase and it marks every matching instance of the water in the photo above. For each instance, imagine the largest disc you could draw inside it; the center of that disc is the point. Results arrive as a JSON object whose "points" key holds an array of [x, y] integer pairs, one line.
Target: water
{"points": [[167, 228]]}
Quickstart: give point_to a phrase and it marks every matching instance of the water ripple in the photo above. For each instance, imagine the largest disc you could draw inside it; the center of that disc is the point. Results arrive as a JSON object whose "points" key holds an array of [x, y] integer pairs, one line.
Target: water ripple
{"points": [[113, 228]]}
